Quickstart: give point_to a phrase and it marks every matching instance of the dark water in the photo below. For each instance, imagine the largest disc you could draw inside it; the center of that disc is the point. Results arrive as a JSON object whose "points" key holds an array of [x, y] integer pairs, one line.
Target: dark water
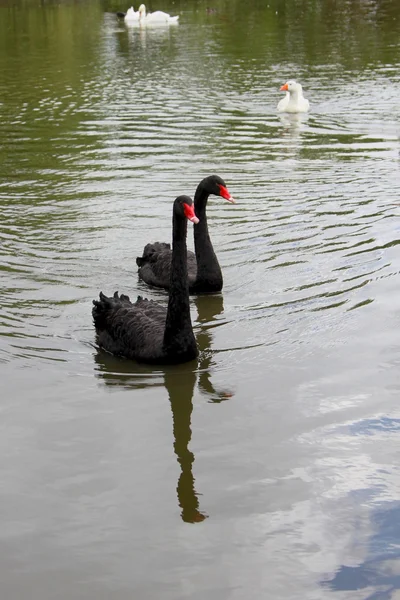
{"points": [[268, 468]]}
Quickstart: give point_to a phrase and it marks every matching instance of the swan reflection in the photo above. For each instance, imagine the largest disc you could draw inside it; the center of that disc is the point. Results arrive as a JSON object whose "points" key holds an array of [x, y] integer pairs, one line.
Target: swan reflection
{"points": [[180, 390], [180, 383]]}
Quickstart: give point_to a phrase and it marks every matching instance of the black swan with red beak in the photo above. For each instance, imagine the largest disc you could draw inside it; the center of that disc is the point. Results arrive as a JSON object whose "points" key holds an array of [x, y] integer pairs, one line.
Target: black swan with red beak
{"points": [[204, 272], [144, 330]]}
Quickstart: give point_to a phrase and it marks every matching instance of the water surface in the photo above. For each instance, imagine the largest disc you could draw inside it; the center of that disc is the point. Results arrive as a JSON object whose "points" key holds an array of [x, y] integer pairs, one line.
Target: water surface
{"points": [[267, 468]]}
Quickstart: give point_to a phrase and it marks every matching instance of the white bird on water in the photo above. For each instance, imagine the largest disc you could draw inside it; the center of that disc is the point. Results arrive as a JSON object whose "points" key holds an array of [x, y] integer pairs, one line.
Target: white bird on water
{"points": [[141, 17], [156, 17], [294, 101]]}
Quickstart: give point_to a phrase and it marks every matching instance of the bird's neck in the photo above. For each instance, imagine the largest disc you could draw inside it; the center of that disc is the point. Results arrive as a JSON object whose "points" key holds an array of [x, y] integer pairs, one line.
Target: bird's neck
{"points": [[208, 269], [178, 335], [296, 95]]}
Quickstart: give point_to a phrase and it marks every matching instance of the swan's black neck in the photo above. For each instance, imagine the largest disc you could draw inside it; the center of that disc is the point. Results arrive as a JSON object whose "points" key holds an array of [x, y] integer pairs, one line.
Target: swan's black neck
{"points": [[209, 272], [179, 340]]}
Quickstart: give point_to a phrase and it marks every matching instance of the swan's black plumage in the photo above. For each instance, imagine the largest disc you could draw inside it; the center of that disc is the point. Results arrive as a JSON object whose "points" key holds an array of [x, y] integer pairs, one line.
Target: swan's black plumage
{"points": [[145, 330], [204, 272]]}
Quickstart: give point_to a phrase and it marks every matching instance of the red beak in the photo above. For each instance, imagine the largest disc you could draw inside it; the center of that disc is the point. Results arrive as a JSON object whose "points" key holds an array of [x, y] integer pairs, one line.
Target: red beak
{"points": [[189, 213], [284, 88], [223, 191]]}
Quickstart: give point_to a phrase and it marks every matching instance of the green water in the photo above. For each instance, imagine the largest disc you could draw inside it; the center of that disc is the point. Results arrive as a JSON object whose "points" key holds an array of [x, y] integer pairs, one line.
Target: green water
{"points": [[268, 467]]}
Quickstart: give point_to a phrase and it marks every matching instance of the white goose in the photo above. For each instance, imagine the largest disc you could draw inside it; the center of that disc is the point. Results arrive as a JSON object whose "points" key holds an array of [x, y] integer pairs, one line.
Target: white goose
{"points": [[294, 101], [157, 17]]}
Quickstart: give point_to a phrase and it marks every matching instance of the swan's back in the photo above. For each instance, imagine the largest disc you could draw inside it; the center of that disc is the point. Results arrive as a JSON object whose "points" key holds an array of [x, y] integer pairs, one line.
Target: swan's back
{"points": [[161, 16], [151, 251], [130, 330], [155, 265]]}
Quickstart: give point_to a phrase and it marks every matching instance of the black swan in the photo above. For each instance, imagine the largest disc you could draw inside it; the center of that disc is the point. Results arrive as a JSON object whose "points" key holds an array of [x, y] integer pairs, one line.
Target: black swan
{"points": [[145, 330], [204, 272]]}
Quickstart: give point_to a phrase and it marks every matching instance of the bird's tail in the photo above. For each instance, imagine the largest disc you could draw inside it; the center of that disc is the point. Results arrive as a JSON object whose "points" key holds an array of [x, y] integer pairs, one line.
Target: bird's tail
{"points": [[106, 305], [150, 252]]}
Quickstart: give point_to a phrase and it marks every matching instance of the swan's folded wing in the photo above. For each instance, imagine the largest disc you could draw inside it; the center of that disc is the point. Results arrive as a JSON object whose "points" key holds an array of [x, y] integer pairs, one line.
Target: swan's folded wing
{"points": [[131, 330], [151, 252], [157, 269]]}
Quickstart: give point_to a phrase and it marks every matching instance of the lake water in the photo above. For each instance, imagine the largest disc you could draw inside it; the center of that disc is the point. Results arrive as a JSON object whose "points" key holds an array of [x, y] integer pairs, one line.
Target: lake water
{"points": [[269, 467]]}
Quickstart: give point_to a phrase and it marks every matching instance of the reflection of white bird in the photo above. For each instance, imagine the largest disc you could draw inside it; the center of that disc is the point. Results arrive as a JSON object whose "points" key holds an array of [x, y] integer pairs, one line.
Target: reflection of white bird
{"points": [[158, 16], [294, 101]]}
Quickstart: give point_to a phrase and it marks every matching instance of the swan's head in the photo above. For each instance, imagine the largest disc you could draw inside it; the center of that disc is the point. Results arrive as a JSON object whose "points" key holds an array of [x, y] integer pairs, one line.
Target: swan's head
{"points": [[215, 185], [142, 10], [184, 207], [291, 86]]}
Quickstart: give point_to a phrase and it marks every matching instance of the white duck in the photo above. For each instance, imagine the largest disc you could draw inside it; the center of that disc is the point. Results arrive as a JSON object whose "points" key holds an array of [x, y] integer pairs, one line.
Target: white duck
{"points": [[294, 101], [157, 17]]}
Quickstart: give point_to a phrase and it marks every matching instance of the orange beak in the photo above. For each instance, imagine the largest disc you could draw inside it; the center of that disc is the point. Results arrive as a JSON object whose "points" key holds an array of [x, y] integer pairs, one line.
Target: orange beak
{"points": [[284, 88]]}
